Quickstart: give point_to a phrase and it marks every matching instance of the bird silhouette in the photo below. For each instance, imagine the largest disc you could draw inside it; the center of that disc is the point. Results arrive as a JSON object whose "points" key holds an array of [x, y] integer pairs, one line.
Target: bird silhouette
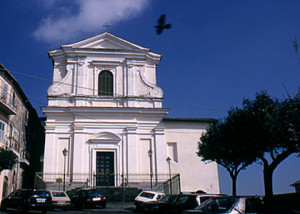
{"points": [[161, 24]]}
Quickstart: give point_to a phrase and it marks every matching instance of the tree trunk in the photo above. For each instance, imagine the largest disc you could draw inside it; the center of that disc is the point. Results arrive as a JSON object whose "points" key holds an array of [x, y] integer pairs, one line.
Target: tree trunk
{"points": [[268, 180], [269, 169], [233, 178]]}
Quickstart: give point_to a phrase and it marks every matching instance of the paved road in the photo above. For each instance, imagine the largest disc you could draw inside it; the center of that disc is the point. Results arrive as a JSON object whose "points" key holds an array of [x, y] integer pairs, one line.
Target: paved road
{"points": [[112, 207]]}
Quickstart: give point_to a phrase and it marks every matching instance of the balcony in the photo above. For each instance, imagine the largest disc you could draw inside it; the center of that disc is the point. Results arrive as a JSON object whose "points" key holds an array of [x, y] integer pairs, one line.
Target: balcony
{"points": [[5, 107], [24, 159]]}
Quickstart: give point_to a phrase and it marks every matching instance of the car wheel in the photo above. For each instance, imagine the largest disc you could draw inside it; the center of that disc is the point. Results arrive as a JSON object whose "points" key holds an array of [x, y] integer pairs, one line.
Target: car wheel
{"points": [[20, 209], [104, 206], [3, 207], [138, 208], [82, 206]]}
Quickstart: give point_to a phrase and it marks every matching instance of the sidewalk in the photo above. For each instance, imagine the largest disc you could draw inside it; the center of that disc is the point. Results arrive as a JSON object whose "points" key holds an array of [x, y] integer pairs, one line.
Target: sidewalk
{"points": [[118, 207]]}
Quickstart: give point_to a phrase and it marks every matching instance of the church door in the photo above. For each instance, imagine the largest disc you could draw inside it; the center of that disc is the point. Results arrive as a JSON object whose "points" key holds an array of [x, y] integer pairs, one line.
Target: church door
{"points": [[105, 169]]}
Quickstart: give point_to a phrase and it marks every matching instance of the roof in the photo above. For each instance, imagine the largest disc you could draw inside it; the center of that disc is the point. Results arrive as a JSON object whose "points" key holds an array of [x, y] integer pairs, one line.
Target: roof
{"points": [[296, 183], [105, 40], [8, 76], [173, 119], [105, 44]]}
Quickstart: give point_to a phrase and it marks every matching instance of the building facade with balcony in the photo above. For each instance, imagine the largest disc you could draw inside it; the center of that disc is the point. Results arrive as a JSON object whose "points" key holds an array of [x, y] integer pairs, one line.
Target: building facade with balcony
{"points": [[105, 111], [21, 132]]}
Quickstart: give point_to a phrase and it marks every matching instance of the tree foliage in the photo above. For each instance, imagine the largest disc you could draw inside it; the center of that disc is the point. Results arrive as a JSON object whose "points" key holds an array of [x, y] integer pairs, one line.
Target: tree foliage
{"points": [[7, 159], [278, 138], [264, 129], [224, 143]]}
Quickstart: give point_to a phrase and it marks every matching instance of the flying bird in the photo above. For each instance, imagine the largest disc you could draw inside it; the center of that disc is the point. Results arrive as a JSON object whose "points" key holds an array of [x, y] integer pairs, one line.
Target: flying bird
{"points": [[161, 24]]}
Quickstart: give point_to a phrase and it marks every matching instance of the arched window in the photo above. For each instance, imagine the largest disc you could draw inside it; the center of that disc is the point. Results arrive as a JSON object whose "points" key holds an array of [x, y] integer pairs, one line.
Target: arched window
{"points": [[105, 83]]}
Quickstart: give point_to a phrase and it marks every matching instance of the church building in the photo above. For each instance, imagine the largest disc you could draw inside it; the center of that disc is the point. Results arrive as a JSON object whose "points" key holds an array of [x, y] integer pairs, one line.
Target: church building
{"points": [[106, 124]]}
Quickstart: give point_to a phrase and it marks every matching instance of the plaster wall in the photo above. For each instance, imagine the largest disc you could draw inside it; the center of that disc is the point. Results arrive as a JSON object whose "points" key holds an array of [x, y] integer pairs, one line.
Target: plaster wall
{"points": [[194, 174]]}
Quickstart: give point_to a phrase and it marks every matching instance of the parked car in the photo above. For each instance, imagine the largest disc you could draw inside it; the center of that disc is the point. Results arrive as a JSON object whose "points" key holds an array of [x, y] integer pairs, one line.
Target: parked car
{"points": [[24, 200], [159, 206], [89, 198], [184, 201], [146, 197], [230, 205], [60, 199]]}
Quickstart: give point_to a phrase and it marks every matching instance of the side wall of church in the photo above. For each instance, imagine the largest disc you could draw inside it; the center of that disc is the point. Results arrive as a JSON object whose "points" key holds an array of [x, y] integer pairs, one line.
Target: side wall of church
{"points": [[182, 143]]}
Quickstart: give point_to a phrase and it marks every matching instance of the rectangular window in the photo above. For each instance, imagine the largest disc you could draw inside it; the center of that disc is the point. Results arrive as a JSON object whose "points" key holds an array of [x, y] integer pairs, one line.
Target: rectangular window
{"points": [[4, 92], [2, 128], [26, 117], [172, 151], [10, 130], [13, 100]]}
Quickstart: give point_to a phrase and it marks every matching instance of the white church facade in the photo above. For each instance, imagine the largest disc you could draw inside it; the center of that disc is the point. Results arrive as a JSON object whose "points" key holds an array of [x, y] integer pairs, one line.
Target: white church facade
{"points": [[106, 111]]}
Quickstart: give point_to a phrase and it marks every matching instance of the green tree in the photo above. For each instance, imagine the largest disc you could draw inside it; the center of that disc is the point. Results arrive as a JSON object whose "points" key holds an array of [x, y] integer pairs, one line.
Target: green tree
{"points": [[7, 159], [277, 134], [224, 143], [264, 129]]}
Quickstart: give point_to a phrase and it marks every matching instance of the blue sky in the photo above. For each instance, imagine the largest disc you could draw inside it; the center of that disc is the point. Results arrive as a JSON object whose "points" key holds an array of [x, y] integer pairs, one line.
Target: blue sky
{"points": [[216, 53]]}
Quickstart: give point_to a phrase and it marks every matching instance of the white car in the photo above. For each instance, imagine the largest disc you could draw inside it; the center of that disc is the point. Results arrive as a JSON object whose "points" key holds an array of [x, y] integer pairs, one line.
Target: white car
{"points": [[201, 197], [60, 199], [146, 197]]}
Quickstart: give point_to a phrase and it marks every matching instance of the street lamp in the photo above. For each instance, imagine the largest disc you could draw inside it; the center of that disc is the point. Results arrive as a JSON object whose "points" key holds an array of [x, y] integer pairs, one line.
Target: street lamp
{"points": [[65, 153], [170, 176], [151, 170]]}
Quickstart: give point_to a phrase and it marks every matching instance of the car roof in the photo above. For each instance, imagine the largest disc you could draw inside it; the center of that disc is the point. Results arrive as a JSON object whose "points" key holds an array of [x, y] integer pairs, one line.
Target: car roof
{"points": [[153, 192], [33, 190], [86, 189], [218, 195]]}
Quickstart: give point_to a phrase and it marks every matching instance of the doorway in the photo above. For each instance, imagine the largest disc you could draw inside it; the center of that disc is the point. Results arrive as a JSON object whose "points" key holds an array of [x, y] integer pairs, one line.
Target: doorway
{"points": [[105, 169]]}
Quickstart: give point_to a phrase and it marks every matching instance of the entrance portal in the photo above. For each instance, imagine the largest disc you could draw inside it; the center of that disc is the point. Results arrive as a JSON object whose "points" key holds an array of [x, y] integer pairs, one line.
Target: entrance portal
{"points": [[105, 169]]}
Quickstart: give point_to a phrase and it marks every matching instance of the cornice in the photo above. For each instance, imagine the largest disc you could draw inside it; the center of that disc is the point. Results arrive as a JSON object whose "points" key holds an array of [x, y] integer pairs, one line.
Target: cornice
{"points": [[104, 110]]}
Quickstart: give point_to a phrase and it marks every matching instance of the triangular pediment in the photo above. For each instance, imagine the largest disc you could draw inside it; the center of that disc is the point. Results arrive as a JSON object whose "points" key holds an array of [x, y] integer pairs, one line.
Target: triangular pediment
{"points": [[105, 41]]}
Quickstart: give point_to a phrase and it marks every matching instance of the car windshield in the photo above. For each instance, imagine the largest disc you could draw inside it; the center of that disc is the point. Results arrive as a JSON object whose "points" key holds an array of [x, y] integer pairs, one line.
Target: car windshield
{"points": [[182, 199], [95, 192], [216, 205], [40, 193], [204, 198], [58, 194], [167, 198], [147, 195]]}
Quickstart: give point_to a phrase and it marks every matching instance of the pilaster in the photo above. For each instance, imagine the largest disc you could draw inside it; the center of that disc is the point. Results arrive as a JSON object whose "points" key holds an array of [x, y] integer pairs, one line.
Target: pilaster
{"points": [[160, 151], [132, 151], [80, 159]]}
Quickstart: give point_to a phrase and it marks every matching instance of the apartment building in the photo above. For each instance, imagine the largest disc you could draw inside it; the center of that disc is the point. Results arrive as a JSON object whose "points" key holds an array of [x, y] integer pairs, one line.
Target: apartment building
{"points": [[21, 132]]}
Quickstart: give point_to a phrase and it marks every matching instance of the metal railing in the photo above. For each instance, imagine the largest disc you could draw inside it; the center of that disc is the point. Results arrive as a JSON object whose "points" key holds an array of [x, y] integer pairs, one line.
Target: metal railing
{"points": [[172, 186], [55, 181]]}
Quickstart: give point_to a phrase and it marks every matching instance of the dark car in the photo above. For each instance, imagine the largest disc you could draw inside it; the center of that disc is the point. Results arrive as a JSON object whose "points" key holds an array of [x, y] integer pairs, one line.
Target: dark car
{"points": [[89, 198], [24, 200], [159, 206], [231, 205], [183, 202]]}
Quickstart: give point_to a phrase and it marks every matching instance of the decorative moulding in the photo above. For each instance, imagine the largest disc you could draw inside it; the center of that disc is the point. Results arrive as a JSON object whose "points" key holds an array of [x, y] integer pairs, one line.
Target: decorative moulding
{"points": [[104, 137]]}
